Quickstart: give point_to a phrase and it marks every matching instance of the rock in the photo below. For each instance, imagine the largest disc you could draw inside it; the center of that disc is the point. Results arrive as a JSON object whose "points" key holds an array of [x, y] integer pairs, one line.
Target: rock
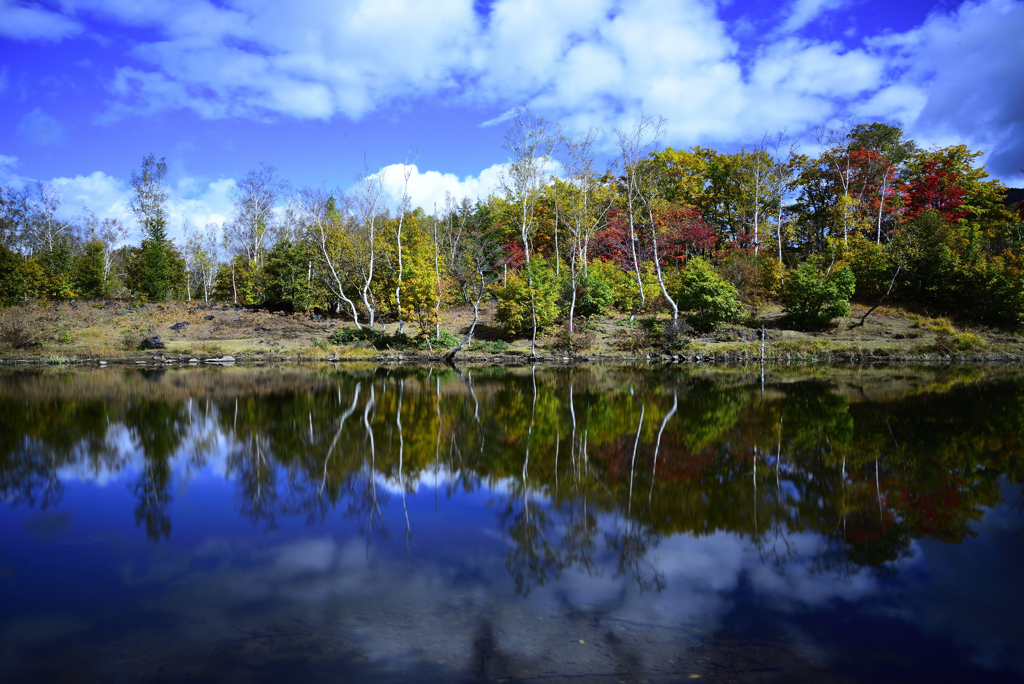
{"points": [[153, 342], [178, 327], [208, 317], [193, 360]]}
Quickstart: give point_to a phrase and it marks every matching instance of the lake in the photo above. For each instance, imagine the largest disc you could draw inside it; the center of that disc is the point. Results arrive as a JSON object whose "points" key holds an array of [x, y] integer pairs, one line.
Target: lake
{"points": [[354, 523]]}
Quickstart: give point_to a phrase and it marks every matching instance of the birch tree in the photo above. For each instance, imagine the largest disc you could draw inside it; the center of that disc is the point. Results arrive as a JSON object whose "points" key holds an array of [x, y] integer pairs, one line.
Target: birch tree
{"points": [[785, 170], [581, 210], [529, 144], [403, 209], [756, 174], [641, 188], [255, 197], [367, 205], [837, 156], [322, 221]]}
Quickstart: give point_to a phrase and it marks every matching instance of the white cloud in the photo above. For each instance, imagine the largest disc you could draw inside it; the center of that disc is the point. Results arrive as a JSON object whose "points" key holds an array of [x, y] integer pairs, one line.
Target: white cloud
{"points": [[962, 74], [583, 62], [427, 188], [803, 12], [200, 202], [32, 22]]}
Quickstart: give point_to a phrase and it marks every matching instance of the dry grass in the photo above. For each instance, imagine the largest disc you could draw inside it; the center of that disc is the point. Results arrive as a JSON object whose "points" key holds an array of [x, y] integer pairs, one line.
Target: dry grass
{"points": [[82, 330]]}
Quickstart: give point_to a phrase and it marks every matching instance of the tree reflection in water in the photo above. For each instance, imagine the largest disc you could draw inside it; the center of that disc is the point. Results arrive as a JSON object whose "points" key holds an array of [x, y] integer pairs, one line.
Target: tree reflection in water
{"points": [[867, 471]]}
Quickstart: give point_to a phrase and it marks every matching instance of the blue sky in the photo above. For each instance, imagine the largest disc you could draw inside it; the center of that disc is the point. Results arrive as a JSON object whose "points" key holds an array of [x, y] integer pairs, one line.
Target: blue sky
{"points": [[311, 86]]}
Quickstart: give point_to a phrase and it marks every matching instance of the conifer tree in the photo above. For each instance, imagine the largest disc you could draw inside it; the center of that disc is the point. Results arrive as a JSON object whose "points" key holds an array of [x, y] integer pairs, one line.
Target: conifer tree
{"points": [[152, 272]]}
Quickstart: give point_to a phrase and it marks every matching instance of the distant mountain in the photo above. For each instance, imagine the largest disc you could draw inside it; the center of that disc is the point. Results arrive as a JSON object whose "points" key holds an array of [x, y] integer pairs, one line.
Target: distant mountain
{"points": [[1014, 195]]}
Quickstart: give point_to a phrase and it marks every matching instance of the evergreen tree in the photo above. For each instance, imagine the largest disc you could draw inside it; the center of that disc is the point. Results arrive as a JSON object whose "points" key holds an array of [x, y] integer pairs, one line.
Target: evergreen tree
{"points": [[153, 270]]}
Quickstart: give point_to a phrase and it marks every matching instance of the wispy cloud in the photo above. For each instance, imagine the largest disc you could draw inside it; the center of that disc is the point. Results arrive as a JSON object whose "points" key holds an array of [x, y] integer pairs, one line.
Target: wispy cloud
{"points": [[803, 12], [39, 128], [32, 22]]}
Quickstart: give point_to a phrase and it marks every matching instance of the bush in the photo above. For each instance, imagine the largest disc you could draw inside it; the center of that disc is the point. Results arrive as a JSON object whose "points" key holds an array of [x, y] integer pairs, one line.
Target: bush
{"points": [[17, 332], [633, 337], [674, 335], [495, 347], [514, 298], [351, 334], [626, 294], [709, 300], [447, 340], [870, 270], [595, 292], [813, 298], [577, 340]]}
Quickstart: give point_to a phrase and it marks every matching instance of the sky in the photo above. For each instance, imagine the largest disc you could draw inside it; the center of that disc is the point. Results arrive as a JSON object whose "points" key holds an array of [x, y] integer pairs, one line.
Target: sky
{"points": [[327, 89]]}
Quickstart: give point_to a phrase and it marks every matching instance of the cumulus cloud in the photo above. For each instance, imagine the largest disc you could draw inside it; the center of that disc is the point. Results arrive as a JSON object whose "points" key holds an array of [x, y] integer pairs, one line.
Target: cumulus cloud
{"points": [[961, 74], [105, 196], [583, 62], [427, 189]]}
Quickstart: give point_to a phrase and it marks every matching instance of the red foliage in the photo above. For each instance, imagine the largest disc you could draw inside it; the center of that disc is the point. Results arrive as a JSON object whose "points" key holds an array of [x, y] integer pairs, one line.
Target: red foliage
{"points": [[937, 188], [880, 183], [515, 255], [682, 231], [612, 243]]}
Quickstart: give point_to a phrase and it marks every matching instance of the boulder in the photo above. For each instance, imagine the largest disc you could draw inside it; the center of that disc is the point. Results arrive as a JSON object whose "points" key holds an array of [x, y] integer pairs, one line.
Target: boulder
{"points": [[178, 327], [153, 342]]}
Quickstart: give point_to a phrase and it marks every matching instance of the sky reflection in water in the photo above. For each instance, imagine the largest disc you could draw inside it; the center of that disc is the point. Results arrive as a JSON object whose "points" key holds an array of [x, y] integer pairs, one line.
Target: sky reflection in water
{"points": [[606, 523]]}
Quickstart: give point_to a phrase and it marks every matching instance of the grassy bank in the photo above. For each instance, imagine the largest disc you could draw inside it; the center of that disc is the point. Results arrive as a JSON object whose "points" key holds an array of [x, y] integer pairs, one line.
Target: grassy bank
{"points": [[84, 332]]}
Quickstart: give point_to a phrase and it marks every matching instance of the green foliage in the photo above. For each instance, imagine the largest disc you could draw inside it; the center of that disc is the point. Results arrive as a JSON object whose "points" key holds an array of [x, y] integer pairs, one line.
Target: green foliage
{"points": [[708, 299], [814, 298], [490, 347], [866, 260], [350, 334], [14, 282], [286, 282], [595, 290], [625, 290], [514, 299], [87, 275]]}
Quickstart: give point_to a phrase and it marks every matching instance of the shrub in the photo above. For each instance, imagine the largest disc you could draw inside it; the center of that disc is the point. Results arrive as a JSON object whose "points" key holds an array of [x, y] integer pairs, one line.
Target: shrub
{"points": [[595, 291], [447, 340], [867, 262], [514, 298], [814, 298], [17, 332], [495, 347], [350, 334], [959, 342], [574, 341], [633, 337], [674, 335], [709, 300]]}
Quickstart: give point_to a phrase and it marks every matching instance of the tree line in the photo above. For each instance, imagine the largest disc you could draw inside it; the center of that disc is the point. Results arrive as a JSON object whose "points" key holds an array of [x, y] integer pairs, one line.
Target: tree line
{"points": [[698, 234]]}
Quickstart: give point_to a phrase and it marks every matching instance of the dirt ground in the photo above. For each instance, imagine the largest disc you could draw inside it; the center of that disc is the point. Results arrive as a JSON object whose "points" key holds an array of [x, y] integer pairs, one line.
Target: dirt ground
{"points": [[68, 332]]}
